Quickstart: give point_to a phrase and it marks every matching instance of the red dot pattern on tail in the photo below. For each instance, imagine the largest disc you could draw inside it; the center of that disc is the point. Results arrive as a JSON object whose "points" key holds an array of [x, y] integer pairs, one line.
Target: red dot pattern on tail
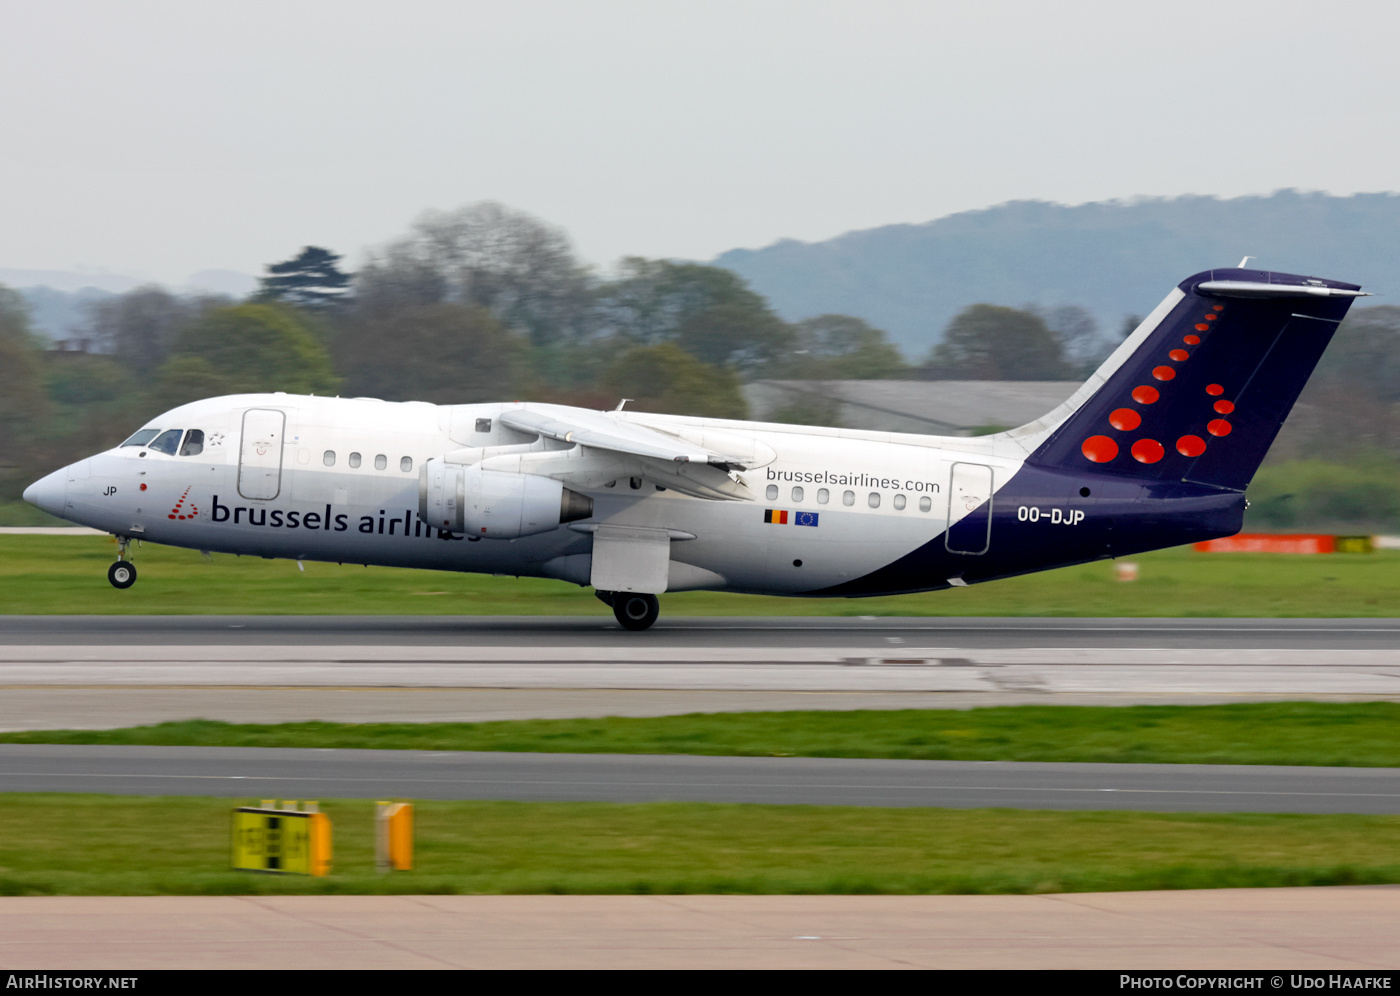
{"points": [[1102, 449]]}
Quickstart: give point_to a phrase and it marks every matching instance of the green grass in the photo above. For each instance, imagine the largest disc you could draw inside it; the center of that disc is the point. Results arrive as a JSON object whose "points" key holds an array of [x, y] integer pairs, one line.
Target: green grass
{"points": [[112, 845], [1308, 733], [52, 575]]}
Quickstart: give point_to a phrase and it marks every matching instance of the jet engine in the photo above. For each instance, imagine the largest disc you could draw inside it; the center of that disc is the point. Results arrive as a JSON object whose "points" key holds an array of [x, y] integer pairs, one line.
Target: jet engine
{"points": [[493, 504]]}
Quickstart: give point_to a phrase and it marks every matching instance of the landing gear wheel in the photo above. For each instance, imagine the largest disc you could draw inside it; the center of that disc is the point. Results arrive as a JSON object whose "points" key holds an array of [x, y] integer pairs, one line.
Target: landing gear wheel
{"points": [[122, 574], [634, 611]]}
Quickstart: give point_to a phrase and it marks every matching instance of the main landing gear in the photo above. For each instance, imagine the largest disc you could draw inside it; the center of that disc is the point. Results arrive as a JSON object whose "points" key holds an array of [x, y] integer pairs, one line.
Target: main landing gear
{"points": [[634, 610], [122, 574]]}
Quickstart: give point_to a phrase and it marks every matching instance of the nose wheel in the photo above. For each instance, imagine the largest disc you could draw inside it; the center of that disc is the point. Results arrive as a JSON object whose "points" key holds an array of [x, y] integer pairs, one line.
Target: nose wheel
{"points": [[122, 574]]}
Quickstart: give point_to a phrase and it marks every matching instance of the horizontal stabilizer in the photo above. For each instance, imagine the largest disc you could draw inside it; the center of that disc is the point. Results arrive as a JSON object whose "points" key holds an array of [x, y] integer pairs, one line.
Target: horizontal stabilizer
{"points": [[1255, 289]]}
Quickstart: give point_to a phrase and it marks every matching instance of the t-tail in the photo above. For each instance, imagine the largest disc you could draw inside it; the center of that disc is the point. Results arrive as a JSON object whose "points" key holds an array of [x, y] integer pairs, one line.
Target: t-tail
{"points": [[1154, 450], [1199, 391]]}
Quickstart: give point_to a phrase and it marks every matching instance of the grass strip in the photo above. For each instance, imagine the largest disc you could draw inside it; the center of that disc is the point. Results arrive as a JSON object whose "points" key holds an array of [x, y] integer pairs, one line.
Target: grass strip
{"points": [[44, 575], [58, 844], [1363, 734]]}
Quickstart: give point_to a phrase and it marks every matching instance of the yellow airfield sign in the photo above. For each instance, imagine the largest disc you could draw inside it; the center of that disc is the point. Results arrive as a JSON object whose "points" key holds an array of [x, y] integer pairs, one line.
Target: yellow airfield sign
{"points": [[283, 841]]}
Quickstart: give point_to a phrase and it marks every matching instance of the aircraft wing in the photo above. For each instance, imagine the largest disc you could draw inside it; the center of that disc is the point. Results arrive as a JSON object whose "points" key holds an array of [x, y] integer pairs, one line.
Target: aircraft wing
{"points": [[597, 430], [636, 451]]}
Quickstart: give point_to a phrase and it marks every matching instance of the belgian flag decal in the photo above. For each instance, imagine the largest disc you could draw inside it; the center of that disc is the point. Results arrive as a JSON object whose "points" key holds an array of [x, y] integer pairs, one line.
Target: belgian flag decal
{"points": [[777, 517]]}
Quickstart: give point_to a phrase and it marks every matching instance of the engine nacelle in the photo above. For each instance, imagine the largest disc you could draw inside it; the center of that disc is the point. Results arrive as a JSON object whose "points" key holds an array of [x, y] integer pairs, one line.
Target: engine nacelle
{"points": [[492, 504]]}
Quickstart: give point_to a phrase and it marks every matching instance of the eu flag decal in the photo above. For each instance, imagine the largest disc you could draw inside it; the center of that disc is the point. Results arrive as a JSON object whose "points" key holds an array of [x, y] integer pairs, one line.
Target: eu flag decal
{"points": [[777, 517], [806, 519]]}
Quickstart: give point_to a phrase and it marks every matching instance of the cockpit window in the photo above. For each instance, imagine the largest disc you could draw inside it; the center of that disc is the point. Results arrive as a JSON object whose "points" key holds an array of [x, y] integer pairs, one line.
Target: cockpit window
{"points": [[142, 438], [167, 442], [194, 443]]}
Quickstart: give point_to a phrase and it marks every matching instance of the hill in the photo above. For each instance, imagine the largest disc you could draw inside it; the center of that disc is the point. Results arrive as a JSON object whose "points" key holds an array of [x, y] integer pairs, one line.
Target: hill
{"points": [[1115, 257]]}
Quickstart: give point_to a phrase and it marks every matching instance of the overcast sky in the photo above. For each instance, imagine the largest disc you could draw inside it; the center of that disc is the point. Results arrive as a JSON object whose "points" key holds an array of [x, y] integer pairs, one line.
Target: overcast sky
{"points": [[159, 139]]}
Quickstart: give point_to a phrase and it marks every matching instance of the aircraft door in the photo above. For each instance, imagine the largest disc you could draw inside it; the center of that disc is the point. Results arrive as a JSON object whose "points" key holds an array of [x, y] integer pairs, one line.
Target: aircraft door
{"points": [[260, 456], [969, 509]]}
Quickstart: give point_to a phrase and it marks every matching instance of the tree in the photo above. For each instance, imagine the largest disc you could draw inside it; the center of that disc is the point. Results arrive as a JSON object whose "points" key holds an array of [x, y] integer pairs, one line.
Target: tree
{"points": [[519, 268], [23, 405], [664, 378], [840, 347], [1351, 405], [1365, 354], [1078, 333], [311, 280], [253, 347], [140, 327], [709, 312], [444, 353], [987, 342]]}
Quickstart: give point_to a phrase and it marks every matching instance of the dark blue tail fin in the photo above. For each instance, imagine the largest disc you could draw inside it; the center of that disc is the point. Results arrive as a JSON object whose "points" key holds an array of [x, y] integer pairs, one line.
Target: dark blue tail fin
{"points": [[1200, 390]]}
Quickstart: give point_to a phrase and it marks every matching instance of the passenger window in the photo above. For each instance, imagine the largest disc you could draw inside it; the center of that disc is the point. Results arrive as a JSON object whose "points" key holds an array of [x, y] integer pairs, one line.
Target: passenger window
{"points": [[381, 461], [848, 498], [167, 442], [328, 458], [142, 438], [798, 494], [354, 459], [772, 492], [406, 464], [823, 496], [194, 443], [925, 503], [874, 499], [899, 502], [483, 425]]}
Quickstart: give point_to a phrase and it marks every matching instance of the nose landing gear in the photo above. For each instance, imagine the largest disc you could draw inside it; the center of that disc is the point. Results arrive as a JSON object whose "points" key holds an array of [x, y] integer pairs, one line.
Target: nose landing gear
{"points": [[633, 610], [122, 574]]}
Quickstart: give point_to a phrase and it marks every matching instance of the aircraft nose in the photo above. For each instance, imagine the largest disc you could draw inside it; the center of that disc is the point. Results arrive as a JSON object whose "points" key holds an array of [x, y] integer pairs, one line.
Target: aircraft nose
{"points": [[49, 493]]}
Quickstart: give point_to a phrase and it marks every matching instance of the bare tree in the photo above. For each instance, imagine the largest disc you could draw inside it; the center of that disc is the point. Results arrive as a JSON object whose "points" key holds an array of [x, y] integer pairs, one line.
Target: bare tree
{"points": [[140, 327], [519, 268], [1078, 332]]}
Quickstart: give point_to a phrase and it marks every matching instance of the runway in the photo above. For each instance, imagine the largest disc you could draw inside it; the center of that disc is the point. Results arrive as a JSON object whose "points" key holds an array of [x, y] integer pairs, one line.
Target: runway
{"points": [[92, 672], [245, 772], [597, 632]]}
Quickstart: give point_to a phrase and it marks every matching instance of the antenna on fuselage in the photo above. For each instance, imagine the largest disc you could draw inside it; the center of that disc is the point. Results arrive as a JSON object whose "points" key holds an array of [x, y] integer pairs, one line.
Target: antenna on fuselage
{"points": [[1244, 263], [621, 403]]}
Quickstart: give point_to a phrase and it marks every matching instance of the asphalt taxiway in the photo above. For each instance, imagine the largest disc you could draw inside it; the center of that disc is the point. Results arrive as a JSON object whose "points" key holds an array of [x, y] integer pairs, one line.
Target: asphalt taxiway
{"points": [[239, 772]]}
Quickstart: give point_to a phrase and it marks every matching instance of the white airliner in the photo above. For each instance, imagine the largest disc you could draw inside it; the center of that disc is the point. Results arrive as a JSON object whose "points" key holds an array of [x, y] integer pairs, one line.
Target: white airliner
{"points": [[1154, 450]]}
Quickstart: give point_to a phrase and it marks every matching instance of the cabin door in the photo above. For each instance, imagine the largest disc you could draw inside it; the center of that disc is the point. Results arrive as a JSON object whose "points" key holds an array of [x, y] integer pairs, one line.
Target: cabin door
{"points": [[969, 509], [260, 455]]}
